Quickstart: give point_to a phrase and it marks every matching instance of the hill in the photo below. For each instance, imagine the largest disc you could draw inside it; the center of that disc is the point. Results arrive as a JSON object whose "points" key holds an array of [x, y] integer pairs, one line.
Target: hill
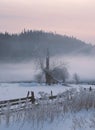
{"points": [[30, 44]]}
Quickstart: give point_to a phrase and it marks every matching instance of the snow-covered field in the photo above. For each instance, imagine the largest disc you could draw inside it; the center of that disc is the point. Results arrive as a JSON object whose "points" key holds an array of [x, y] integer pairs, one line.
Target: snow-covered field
{"points": [[19, 90], [83, 120], [80, 120]]}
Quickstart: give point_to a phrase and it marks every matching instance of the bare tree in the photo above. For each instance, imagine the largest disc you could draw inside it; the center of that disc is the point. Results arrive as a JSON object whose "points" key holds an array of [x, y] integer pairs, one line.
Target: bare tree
{"points": [[47, 69], [53, 74]]}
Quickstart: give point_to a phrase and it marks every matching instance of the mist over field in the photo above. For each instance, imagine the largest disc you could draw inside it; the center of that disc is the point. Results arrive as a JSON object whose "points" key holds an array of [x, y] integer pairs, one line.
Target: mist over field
{"points": [[83, 66], [16, 71], [26, 71], [20, 53]]}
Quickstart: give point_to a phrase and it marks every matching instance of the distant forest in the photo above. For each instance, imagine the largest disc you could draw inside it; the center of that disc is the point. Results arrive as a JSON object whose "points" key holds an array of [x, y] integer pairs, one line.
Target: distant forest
{"points": [[30, 44]]}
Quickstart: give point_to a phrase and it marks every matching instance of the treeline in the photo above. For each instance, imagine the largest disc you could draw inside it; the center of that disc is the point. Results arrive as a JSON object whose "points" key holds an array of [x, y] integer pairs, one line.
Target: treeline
{"points": [[30, 44]]}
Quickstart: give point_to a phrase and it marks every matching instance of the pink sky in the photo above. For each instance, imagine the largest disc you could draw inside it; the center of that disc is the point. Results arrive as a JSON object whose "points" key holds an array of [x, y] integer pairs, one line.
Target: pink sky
{"points": [[71, 17]]}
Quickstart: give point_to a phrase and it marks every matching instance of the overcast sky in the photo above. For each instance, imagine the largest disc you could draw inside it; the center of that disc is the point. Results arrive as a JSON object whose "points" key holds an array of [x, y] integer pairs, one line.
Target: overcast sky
{"points": [[71, 17]]}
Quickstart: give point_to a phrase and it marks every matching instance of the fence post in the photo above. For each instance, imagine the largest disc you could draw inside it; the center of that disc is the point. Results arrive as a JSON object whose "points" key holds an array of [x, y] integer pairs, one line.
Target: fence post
{"points": [[32, 97], [90, 88], [51, 93], [28, 94]]}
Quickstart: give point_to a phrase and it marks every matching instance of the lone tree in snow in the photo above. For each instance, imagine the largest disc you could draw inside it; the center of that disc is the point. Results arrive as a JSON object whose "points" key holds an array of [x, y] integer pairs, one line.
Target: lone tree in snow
{"points": [[47, 69], [52, 75]]}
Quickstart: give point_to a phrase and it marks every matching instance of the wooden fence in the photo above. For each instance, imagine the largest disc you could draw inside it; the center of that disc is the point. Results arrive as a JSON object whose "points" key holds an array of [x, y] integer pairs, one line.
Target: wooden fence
{"points": [[20, 103], [26, 102]]}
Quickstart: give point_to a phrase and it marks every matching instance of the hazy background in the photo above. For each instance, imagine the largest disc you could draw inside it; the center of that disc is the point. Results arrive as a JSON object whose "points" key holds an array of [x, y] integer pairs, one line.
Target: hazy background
{"points": [[26, 71], [83, 66], [19, 51], [71, 17]]}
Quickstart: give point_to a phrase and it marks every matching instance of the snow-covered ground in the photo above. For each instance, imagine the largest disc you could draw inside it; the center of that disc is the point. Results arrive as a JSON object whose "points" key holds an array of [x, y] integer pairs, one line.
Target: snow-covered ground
{"points": [[82, 120], [19, 90]]}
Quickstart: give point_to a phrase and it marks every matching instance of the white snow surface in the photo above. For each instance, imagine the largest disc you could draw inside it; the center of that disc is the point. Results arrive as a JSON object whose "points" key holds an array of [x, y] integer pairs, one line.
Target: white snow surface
{"points": [[19, 90], [70, 121]]}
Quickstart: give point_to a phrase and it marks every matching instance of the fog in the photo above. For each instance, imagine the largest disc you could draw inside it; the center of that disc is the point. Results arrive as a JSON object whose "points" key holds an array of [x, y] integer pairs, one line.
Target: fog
{"points": [[17, 71], [83, 66]]}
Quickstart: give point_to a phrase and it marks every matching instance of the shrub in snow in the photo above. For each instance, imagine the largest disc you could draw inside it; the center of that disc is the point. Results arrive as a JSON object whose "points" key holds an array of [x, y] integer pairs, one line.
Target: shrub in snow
{"points": [[76, 78], [43, 95]]}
